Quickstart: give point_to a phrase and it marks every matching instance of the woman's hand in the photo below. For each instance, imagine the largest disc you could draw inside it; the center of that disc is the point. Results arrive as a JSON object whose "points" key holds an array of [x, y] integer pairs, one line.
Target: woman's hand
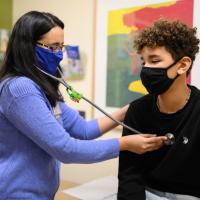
{"points": [[141, 143]]}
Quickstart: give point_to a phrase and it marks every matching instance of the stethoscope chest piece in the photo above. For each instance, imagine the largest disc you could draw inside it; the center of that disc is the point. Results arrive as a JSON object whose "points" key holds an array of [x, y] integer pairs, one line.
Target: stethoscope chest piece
{"points": [[170, 139]]}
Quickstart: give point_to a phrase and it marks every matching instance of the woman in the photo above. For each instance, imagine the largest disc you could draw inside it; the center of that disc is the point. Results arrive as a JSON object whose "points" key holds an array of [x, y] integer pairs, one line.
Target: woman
{"points": [[33, 140]]}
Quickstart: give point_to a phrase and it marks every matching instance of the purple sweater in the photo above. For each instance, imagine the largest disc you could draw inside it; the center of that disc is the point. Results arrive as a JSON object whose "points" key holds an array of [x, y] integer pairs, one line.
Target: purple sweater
{"points": [[33, 141]]}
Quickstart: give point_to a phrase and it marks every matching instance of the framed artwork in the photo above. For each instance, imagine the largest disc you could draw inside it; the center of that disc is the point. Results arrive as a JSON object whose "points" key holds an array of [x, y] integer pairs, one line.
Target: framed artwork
{"points": [[117, 68], [72, 65]]}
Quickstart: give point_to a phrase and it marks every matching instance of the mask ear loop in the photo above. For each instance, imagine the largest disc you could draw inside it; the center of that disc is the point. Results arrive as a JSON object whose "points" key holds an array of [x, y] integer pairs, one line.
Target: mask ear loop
{"points": [[170, 66], [174, 63]]}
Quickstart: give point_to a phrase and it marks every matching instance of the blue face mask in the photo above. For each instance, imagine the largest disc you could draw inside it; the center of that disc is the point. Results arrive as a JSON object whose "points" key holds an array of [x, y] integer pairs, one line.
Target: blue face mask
{"points": [[48, 60]]}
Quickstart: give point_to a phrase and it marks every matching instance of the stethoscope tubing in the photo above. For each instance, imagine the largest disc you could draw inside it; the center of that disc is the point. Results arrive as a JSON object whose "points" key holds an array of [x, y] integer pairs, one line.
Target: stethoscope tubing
{"points": [[170, 137]]}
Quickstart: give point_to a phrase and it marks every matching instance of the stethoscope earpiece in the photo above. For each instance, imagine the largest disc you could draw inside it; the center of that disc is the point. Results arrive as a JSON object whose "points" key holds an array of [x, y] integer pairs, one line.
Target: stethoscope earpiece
{"points": [[170, 139]]}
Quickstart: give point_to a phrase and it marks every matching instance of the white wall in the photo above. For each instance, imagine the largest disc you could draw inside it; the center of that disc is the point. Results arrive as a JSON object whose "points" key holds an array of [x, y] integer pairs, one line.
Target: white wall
{"points": [[78, 16]]}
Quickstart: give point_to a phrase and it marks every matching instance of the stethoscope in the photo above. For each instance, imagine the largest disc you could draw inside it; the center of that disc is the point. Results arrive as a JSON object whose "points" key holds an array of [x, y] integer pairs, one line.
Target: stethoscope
{"points": [[75, 96]]}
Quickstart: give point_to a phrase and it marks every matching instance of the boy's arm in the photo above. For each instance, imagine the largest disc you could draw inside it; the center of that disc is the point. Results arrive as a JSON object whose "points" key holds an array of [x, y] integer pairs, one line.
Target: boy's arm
{"points": [[131, 184]]}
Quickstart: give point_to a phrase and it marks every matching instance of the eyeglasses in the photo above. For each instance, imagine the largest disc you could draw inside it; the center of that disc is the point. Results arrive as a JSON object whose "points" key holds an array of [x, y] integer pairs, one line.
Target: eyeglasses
{"points": [[53, 47]]}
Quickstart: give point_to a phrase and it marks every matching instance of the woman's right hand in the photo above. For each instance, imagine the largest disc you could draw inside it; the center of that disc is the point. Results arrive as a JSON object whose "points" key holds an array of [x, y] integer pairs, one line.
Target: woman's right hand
{"points": [[141, 143]]}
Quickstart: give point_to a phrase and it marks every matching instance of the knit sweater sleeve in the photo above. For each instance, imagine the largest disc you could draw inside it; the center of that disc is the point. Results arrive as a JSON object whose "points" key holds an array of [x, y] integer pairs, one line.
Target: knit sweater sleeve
{"points": [[26, 109], [77, 126], [130, 174]]}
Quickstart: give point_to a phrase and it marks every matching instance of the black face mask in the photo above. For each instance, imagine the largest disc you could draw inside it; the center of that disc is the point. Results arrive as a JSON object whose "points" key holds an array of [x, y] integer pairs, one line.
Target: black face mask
{"points": [[156, 80]]}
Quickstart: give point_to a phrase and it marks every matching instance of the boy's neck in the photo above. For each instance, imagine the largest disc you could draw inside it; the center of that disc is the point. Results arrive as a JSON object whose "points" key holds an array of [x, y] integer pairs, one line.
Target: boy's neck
{"points": [[174, 99]]}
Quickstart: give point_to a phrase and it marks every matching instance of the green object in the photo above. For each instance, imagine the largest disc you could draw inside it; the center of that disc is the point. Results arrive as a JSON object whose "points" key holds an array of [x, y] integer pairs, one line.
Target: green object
{"points": [[6, 14], [75, 96]]}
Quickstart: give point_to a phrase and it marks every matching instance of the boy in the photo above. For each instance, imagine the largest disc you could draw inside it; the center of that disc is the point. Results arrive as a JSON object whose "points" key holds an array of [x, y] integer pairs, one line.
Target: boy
{"points": [[167, 50]]}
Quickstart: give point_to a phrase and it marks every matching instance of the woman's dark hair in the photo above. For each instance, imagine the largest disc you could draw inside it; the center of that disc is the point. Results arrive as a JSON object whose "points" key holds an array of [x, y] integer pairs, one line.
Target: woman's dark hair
{"points": [[20, 54]]}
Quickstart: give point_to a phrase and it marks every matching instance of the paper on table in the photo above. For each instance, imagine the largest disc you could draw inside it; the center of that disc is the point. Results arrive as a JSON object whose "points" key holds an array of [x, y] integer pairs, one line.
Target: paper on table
{"points": [[99, 189]]}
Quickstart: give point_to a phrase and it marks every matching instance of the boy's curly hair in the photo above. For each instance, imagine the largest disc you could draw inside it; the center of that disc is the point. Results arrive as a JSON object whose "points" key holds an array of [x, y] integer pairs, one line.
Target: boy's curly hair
{"points": [[179, 39]]}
